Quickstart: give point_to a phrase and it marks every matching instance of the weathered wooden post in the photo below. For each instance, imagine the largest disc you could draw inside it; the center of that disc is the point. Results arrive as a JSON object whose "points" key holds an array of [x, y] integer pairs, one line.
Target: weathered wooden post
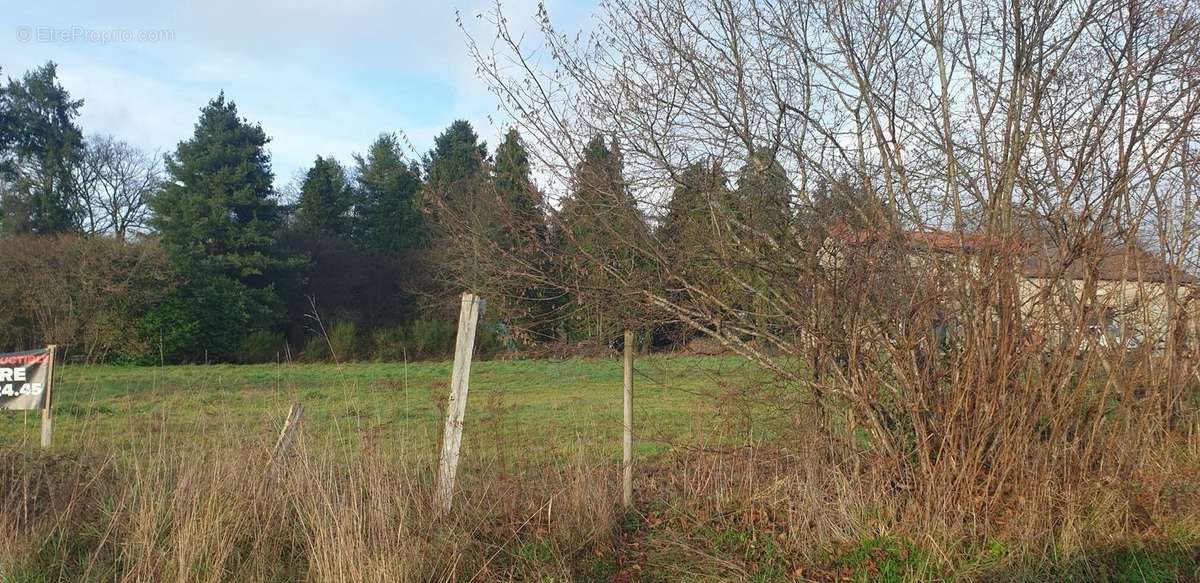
{"points": [[284, 443], [456, 407], [627, 457], [47, 430]]}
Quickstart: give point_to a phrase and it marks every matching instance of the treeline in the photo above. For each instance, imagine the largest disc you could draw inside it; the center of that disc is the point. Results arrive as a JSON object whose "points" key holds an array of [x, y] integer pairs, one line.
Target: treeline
{"points": [[119, 254], [196, 256]]}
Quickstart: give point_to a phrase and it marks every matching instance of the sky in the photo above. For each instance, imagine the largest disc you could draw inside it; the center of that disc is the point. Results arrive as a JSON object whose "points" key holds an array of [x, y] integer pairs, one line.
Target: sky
{"points": [[323, 77]]}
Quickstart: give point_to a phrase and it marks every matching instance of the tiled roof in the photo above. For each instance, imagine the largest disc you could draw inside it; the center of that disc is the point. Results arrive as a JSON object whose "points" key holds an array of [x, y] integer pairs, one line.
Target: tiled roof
{"points": [[1038, 259], [1109, 264]]}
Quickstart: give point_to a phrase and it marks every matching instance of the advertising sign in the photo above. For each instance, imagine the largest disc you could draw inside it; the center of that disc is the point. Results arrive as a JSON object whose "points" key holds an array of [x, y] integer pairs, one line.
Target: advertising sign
{"points": [[24, 377]]}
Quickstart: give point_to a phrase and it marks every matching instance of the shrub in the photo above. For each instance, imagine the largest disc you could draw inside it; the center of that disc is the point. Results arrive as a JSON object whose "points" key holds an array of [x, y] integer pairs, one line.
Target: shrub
{"points": [[389, 344], [418, 339], [494, 337], [81, 293], [316, 349], [261, 346], [202, 320], [431, 339], [427, 338], [341, 338]]}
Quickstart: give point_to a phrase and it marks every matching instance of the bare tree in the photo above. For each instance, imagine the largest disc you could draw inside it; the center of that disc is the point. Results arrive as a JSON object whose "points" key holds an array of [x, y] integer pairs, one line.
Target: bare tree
{"points": [[1021, 171], [115, 179]]}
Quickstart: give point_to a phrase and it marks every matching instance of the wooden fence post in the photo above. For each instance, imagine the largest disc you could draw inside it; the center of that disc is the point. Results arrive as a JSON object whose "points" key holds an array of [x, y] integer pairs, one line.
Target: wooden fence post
{"points": [[284, 443], [456, 407], [47, 429], [627, 442]]}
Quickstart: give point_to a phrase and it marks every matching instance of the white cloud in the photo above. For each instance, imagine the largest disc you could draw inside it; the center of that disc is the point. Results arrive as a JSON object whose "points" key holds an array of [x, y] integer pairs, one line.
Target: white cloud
{"points": [[323, 77]]}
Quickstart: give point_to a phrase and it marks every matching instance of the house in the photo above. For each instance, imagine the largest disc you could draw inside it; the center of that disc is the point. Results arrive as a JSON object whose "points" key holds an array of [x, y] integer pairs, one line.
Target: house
{"points": [[1114, 294], [1136, 294]]}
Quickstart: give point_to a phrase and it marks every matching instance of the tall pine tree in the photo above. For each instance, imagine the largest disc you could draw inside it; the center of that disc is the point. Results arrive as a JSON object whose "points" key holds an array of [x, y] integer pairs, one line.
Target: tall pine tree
{"points": [[761, 201], [521, 237], [37, 119], [687, 225], [762, 209], [457, 155], [326, 198], [525, 225], [388, 217], [687, 239], [456, 189], [217, 220], [602, 240]]}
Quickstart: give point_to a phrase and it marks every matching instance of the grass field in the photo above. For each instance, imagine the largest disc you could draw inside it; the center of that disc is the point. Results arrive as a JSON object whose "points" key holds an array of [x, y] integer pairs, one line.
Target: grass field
{"points": [[393, 406], [161, 437], [142, 485]]}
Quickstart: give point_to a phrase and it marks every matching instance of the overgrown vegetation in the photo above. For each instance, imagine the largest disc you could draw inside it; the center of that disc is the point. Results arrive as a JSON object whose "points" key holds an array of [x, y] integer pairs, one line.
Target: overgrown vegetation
{"points": [[240, 261], [727, 493], [958, 243]]}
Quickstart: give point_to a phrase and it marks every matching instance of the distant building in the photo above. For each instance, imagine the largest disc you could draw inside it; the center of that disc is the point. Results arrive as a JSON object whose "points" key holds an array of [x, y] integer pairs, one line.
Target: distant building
{"points": [[1122, 295]]}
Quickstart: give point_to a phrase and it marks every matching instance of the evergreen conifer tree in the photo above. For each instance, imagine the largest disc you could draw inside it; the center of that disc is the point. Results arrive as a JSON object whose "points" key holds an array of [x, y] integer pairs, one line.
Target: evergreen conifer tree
{"points": [[326, 199], [388, 219], [217, 219], [44, 147]]}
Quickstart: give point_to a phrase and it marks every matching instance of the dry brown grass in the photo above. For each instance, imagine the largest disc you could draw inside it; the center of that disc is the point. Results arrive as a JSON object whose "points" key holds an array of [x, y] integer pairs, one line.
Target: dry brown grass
{"points": [[327, 517], [727, 505]]}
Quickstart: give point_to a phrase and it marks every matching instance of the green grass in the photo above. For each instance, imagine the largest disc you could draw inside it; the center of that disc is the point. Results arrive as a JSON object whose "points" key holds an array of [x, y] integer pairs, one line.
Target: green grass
{"points": [[565, 404], [528, 414], [1133, 562], [886, 559]]}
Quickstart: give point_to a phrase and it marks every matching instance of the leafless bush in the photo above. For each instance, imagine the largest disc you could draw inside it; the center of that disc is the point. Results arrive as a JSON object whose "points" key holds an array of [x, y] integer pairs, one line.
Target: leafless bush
{"points": [[960, 230], [80, 292]]}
